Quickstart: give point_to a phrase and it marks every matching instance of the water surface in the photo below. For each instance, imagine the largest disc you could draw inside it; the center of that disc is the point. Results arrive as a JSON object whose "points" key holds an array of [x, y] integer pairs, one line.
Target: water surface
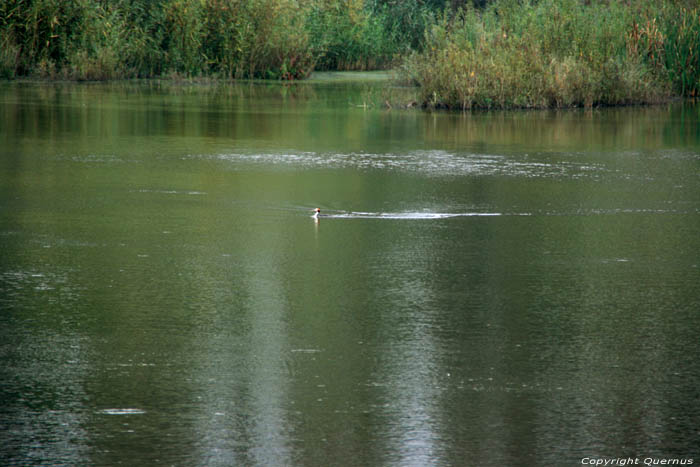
{"points": [[511, 288]]}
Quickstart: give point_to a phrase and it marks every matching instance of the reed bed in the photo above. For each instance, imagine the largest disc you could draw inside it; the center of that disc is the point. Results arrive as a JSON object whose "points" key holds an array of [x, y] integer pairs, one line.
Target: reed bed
{"points": [[557, 53], [462, 54], [277, 39]]}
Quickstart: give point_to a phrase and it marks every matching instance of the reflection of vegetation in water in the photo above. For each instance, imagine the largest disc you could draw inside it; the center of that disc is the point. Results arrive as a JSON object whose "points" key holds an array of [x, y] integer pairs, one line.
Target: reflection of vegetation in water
{"points": [[305, 117], [662, 126]]}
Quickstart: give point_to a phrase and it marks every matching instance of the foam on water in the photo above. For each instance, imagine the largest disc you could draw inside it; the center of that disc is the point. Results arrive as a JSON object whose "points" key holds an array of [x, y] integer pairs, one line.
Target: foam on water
{"points": [[122, 411], [409, 215], [415, 215]]}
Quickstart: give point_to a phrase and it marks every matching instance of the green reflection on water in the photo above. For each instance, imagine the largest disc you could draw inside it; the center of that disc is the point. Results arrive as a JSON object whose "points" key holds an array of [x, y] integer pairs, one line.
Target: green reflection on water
{"points": [[166, 297]]}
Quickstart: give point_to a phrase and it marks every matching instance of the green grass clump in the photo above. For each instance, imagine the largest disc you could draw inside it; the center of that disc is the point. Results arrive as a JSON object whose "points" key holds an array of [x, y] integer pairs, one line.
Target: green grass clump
{"points": [[551, 53]]}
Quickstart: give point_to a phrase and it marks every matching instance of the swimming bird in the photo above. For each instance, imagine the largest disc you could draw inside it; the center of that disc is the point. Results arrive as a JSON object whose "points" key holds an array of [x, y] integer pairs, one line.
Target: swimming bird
{"points": [[317, 213]]}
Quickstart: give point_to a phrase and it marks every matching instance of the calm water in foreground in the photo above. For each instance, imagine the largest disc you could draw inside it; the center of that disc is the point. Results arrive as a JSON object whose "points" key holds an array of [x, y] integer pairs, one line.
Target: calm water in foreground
{"points": [[487, 289]]}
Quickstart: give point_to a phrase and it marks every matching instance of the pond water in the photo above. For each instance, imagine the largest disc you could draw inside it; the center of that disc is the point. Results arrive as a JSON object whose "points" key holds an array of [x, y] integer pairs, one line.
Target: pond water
{"points": [[496, 288]]}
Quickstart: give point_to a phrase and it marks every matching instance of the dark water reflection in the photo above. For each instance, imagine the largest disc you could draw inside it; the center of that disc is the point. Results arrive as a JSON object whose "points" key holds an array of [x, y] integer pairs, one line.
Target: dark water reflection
{"points": [[487, 289]]}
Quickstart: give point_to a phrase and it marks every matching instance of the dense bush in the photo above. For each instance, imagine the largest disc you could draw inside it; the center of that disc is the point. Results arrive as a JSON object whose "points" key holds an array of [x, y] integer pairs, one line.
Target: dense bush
{"points": [[346, 36], [93, 39], [557, 53]]}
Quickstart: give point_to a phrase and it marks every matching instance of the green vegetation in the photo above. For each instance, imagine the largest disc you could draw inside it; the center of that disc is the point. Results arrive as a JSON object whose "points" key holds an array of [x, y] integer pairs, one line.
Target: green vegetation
{"points": [[462, 54], [558, 53], [278, 39]]}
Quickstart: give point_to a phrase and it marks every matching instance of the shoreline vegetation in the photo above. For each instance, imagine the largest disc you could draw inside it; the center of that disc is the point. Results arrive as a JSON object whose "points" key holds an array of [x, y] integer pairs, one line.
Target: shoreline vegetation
{"points": [[461, 54]]}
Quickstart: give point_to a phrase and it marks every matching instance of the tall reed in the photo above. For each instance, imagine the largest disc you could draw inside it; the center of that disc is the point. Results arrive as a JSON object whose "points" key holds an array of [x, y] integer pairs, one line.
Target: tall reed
{"points": [[346, 35], [551, 53], [280, 39], [505, 53], [681, 51]]}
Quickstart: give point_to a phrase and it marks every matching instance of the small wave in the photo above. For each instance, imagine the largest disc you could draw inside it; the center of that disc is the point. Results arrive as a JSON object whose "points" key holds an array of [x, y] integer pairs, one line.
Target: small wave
{"points": [[170, 192], [429, 162], [122, 411]]}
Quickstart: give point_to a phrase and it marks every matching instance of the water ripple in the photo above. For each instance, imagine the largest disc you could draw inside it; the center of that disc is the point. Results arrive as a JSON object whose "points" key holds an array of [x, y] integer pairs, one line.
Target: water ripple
{"points": [[431, 162]]}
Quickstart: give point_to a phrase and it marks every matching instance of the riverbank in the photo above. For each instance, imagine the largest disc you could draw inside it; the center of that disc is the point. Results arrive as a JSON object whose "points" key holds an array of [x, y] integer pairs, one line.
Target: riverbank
{"points": [[558, 53], [504, 54]]}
